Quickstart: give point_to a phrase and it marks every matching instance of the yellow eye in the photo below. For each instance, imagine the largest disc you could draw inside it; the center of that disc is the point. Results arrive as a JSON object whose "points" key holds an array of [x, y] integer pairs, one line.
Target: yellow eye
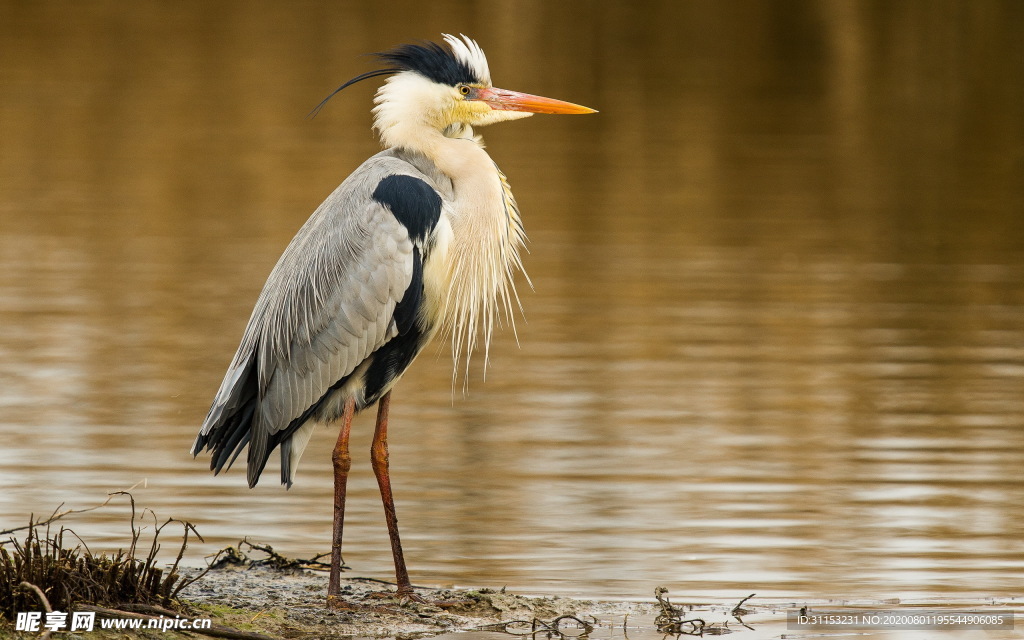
{"points": [[464, 90]]}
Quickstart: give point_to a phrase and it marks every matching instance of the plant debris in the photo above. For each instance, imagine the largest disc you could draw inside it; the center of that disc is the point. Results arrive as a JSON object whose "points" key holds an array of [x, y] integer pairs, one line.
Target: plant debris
{"points": [[738, 611], [274, 560], [673, 620], [552, 629], [42, 570]]}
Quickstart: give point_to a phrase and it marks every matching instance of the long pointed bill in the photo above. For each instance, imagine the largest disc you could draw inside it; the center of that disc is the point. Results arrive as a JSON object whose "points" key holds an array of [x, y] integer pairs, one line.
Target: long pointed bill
{"points": [[505, 100]]}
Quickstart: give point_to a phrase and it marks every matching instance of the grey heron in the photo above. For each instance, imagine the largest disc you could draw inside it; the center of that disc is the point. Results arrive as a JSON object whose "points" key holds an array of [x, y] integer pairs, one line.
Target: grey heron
{"points": [[424, 237]]}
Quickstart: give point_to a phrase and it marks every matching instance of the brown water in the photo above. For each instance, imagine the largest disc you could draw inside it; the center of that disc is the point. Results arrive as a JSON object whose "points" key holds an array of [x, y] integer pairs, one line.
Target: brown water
{"points": [[776, 342]]}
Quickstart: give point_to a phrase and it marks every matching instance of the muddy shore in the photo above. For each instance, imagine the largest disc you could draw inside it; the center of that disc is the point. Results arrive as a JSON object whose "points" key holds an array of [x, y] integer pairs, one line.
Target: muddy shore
{"points": [[260, 602], [291, 603]]}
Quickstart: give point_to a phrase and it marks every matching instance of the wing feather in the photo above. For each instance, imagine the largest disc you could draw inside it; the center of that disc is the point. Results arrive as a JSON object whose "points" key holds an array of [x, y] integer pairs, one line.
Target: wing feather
{"points": [[358, 287], [326, 307]]}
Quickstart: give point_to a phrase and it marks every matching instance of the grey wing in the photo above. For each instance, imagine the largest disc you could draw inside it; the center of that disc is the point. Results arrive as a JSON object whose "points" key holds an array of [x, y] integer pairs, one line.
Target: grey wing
{"points": [[327, 306]]}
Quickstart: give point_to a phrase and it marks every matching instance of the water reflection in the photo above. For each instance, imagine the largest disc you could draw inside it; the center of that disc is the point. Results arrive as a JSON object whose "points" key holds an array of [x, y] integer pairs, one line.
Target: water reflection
{"points": [[777, 334]]}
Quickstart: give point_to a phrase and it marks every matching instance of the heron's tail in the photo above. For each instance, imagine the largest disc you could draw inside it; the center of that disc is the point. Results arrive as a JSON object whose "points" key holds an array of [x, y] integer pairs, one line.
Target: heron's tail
{"points": [[230, 427], [227, 429]]}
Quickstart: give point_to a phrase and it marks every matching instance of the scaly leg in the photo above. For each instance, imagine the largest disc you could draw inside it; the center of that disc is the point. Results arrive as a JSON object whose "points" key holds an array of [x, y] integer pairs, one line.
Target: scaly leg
{"points": [[342, 463], [379, 459]]}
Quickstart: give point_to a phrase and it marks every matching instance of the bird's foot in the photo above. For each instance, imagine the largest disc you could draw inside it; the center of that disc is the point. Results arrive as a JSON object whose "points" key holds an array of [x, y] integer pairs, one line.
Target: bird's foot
{"points": [[337, 603]]}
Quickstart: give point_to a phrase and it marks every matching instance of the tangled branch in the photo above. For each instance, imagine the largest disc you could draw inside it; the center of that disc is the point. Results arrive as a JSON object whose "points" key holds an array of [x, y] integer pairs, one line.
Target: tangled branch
{"points": [[238, 556], [553, 628], [672, 619]]}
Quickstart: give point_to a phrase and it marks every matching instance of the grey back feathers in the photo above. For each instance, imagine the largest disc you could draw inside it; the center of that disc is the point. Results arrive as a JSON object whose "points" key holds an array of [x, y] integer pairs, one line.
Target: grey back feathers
{"points": [[328, 306]]}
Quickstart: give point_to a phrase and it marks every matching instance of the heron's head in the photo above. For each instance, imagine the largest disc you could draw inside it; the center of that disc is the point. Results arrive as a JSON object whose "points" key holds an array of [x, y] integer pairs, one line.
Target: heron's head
{"points": [[444, 87]]}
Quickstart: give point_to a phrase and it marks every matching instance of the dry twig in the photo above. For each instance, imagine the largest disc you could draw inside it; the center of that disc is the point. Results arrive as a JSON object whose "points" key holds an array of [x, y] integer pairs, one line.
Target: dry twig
{"points": [[738, 611], [552, 629], [274, 560], [672, 619]]}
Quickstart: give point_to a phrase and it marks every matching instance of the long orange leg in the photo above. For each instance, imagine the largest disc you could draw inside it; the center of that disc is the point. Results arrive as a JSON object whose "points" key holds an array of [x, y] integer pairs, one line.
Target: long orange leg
{"points": [[379, 460], [342, 463]]}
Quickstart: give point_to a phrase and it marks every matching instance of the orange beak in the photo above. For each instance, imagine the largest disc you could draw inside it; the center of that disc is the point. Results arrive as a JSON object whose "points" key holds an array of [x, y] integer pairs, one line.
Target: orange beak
{"points": [[504, 100]]}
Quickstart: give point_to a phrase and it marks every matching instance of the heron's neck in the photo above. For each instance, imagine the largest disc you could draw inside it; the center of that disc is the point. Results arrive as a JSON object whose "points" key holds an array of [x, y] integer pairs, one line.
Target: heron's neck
{"points": [[486, 236], [455, 151]]}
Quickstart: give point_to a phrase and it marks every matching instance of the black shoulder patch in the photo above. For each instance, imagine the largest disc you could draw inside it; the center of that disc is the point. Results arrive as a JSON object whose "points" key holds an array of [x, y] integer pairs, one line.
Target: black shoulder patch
{"points": [[412, 201]]}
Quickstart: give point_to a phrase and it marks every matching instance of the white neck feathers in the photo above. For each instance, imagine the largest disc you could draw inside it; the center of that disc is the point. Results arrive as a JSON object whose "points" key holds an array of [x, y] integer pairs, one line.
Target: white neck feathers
{"points": [[483, 252]]}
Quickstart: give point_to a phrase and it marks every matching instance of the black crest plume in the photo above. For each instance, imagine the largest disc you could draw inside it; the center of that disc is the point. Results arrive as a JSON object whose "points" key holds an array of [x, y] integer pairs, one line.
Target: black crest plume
{"points": [[429, 59]]}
